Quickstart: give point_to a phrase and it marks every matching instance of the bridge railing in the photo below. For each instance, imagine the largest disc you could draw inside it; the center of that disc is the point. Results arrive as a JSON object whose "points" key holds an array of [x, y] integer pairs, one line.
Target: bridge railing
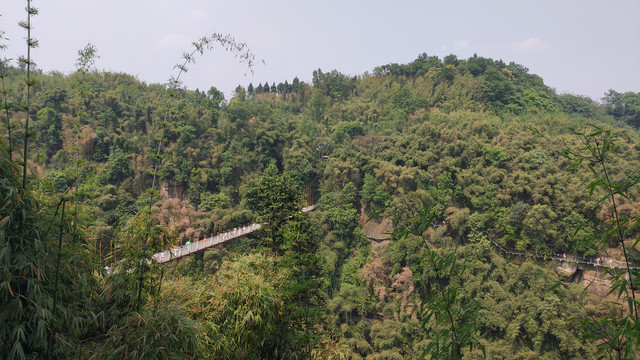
{"points": [[203, 244], [184, 250], [597, 262]]}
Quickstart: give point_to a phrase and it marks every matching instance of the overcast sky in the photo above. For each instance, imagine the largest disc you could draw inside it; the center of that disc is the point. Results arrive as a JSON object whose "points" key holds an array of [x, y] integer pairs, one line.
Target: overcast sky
{"points": [[583, 47]]}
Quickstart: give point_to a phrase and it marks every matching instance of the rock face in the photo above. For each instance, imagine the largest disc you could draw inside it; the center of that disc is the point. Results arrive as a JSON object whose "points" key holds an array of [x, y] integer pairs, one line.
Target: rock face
{"points": [[170, 191], [375, 229], [597, 280]]}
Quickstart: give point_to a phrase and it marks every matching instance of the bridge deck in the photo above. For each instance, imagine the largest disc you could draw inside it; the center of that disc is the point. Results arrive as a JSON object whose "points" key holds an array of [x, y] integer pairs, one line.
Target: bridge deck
{"points": [[597, 262], [186, 250]]}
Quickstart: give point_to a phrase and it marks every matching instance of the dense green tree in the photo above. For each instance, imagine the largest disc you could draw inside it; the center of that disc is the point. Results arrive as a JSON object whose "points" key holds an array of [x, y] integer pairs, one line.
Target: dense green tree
{"points": [[333, 84], [240, 93], [49, 124], [498, 90], [215, 96], [376, 196], [624, 106], [117, 168], [318, 106], [579, 105], [274, 199], [47, 276], [25, 299], [340, 211]]}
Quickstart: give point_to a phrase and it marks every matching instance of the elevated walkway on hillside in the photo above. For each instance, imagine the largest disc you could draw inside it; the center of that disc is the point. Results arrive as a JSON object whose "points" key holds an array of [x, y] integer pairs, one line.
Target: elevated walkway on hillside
{"points": [[595, 262], [186, 250]]}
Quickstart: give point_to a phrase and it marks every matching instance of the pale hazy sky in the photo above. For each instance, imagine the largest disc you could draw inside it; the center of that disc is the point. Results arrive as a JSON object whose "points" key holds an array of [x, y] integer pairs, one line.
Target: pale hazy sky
{"points": [[583, 47]]}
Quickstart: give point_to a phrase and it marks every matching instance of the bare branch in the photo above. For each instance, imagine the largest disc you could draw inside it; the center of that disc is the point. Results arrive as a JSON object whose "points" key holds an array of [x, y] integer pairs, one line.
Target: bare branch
{"points": [[207, 43]]}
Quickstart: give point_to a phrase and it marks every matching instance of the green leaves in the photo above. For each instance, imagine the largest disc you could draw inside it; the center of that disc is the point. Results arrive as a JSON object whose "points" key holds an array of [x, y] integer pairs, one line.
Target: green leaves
{"points": [[143, 237], [241, 316], [616, 331], [450, 318], [157, 332], [374, 195], [39, 312], [86, 58], [274, 199]]}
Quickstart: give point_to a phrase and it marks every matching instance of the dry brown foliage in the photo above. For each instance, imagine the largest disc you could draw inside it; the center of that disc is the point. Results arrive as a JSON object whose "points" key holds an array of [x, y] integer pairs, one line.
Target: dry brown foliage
{"points": [[87, 141], [376, 273], [179, 214], [403, 288]]}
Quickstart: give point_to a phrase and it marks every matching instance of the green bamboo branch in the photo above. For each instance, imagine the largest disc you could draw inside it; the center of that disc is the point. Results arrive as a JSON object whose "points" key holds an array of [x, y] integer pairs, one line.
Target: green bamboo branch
{"points": [[86, 59], [31, 43], [601, 151], [5, 93]]}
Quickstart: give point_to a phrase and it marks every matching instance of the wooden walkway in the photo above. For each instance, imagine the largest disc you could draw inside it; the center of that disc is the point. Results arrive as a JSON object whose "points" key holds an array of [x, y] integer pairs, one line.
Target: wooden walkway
{"points": [[186, 250]]}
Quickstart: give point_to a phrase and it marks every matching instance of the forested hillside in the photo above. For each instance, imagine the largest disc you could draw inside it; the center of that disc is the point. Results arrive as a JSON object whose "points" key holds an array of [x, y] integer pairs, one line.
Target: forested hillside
{"points": [[440, 158]]}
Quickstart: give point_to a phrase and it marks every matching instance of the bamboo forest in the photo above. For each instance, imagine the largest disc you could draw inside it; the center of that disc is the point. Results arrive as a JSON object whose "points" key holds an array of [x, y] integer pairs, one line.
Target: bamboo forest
{"points": [[446, 208]]}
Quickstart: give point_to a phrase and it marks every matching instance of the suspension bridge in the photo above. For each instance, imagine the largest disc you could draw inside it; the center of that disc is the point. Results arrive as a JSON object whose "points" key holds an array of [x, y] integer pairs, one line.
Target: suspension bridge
{"points": [[186, 250], [595, 262]]}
